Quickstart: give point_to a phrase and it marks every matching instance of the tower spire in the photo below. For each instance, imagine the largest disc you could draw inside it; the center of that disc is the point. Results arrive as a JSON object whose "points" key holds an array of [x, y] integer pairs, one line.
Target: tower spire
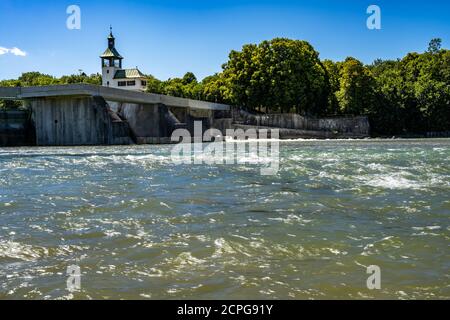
{"points": [[110, 32], [111, 39]]}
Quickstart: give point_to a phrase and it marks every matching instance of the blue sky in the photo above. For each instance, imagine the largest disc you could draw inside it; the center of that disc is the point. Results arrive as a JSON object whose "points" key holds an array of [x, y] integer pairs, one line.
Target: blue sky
{"points": [[167, 38]]}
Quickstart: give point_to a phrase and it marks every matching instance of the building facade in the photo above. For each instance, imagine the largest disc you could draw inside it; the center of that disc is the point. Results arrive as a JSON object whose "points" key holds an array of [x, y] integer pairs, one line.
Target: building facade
{"points": [[114, 76]]}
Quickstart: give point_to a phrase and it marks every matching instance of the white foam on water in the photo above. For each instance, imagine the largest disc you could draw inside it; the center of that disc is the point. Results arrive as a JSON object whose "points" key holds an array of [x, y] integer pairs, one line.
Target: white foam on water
{"points": [[392, 181], [25, 252], [186, 258], [163, 204], [111, 233], [222, 248], [427, 228], [291, 219], [153, 273]]}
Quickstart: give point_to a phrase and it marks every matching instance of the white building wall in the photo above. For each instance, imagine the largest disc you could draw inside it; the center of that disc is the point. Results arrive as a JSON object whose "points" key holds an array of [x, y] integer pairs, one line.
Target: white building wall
{"points": [[136, 87], [109, 81], [108, 76]]}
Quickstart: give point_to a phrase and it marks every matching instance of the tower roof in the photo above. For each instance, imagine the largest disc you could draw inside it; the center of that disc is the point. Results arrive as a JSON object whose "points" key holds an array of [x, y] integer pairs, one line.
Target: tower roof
{"points": [[111, 53], [128, 74]]}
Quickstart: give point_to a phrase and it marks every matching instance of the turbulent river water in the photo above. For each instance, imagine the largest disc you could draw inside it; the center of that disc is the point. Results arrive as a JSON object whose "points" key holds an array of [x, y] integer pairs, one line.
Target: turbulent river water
{"points": [[140, 226]]}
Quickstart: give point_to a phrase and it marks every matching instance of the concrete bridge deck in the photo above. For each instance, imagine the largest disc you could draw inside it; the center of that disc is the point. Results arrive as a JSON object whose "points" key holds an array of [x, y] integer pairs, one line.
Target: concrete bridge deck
{"points": [[109, 94]]}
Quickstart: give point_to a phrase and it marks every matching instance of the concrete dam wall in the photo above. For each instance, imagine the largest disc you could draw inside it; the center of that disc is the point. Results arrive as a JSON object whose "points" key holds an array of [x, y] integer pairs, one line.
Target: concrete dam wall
{"points": [[155, 123], [338, 126], [81, 114], [77, 121], [67, 115]]}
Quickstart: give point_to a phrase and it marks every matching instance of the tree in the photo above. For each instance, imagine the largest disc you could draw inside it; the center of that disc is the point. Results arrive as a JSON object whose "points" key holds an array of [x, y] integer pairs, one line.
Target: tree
{"points": [[10, 104], [95, 79], [435, 45], [174, 87], [154, 85], [332, 76], [216, 89], [356, 93], [280, 75], [414, 93], [36, 79], [238, 71], [189, 78]]}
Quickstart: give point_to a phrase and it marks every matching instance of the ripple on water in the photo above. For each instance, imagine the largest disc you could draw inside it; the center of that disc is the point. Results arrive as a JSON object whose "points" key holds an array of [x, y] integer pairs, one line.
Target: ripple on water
{"points": [[140, 226]]}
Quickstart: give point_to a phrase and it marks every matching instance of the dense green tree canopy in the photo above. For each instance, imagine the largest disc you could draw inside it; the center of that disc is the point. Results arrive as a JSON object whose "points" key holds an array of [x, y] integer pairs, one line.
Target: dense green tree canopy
{"points": [[280, 75], [216, 89], [413, 93], [333, 78], [29, 79], [356, 92]]}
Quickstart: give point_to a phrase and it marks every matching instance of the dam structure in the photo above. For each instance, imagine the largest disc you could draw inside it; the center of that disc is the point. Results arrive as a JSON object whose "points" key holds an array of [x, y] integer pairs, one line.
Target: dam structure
{"points": [[81, 114]]}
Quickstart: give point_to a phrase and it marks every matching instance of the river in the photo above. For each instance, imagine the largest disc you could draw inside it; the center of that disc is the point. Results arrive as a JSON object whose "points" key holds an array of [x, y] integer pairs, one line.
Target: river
{"points": [[139, 226]]}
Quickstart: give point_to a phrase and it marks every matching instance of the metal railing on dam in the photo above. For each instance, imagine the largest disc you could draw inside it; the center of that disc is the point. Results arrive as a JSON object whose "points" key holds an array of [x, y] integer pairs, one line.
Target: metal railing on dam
{"points": [[109, 94]]}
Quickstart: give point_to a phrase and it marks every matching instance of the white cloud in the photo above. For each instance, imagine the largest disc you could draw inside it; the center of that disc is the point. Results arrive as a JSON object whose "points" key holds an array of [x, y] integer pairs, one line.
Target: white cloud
{"points": [[15, 51]]}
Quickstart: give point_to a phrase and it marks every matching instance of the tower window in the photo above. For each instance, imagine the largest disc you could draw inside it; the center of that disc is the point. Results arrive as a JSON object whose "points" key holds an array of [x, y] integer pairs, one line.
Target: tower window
{"points": [[107, 71], [107, 83]]}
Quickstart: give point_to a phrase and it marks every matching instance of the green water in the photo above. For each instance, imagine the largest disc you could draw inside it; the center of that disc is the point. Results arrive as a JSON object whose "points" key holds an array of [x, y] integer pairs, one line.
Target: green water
{"points": [[140, 226]]}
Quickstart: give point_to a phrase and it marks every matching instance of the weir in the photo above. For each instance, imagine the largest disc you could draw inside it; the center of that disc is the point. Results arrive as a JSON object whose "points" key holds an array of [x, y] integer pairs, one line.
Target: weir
{"points": [[82, 114]]}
